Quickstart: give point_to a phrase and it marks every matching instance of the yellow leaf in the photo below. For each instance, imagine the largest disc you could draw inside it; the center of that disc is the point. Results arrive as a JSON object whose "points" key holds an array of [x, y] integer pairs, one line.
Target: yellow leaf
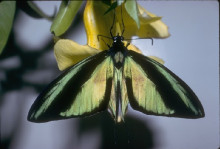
{"points": [[157, 59], [132, 47], [68, 53], [154, 29], [96, 23]]}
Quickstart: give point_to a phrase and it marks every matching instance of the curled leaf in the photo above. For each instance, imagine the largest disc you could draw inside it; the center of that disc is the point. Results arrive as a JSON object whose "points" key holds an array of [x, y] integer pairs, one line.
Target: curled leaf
{"points": [[65, 16]]}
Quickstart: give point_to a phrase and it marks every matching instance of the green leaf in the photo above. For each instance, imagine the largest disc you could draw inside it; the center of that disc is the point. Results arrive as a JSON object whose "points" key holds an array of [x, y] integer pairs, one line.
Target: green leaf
{"points": [[65, 16], [33, 10], [7, 11], [132, 9], [113, 6]]}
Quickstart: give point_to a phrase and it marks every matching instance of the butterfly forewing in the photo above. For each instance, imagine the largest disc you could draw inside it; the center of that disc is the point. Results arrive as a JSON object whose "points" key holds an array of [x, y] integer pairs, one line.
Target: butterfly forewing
{"points": [[142, 90], [153, 89], [80, 91]]}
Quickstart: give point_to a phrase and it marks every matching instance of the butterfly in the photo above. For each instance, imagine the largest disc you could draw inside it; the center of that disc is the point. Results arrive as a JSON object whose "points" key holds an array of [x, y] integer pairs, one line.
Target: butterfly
{"points": [[111, 80]]}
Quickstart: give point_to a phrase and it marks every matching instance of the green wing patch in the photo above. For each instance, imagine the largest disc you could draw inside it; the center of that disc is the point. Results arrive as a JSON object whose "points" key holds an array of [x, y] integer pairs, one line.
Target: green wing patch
{"points": [[81, 90], [154, 89]]}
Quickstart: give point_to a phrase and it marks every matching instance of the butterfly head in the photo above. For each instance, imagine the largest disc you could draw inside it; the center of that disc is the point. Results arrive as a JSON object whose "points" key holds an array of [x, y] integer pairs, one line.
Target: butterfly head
{"points": [[118, 39]]}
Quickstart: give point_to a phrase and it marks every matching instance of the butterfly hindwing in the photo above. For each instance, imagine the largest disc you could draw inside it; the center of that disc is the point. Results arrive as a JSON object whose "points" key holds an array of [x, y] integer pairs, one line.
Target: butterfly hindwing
{"points": [[154, 89], [81, 90]]}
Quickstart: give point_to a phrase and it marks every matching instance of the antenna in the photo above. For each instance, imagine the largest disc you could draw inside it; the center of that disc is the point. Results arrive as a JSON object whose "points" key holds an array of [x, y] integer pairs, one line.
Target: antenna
{"points": [[122, 21], [112, 25]]}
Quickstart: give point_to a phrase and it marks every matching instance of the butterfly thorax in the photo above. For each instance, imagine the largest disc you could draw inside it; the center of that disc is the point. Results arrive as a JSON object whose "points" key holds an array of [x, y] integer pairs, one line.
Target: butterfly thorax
{"points": [[118, 51]]}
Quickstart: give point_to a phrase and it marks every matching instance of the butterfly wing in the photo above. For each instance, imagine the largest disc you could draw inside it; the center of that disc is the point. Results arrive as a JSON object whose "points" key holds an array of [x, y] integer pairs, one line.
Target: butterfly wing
{"points": [[81, 90], [154, 89]]}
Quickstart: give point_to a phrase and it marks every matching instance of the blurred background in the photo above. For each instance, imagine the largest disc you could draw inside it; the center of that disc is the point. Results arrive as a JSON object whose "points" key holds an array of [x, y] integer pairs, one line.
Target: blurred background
{"points": [[27, 65]]}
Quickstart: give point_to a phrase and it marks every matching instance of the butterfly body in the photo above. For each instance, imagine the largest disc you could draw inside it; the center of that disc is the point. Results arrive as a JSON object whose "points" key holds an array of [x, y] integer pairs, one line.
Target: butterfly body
{"points": [[111, 80], [118, 52]]}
